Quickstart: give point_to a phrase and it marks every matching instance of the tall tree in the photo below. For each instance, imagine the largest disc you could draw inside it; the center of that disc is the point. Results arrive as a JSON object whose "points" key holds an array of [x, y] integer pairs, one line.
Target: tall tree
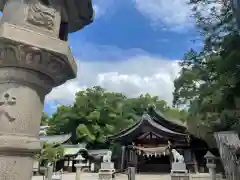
{"points": [[94, 114], [215, 20], [209, 80]]}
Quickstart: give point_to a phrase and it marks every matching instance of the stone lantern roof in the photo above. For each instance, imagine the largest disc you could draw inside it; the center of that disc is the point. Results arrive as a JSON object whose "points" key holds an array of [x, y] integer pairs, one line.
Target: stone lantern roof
{"points": [[77, 13], [209, 155], [82, 16]]}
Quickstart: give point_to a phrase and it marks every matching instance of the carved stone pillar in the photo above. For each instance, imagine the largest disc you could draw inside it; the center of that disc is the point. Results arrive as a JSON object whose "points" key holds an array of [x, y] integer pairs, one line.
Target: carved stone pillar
{"points": [[33, 60]]}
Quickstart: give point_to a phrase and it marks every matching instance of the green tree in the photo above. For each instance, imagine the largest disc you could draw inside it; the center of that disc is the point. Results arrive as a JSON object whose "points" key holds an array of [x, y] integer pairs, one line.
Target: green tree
{"points": [[50, 153], [209, 80], [44, 119], [97, 113], [93, 115], [60, 122], [214, 20]]}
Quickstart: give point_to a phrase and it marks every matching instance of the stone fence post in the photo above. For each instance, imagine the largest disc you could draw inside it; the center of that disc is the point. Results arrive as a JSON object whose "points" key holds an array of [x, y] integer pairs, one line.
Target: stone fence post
{"points": [[131, 173], [78, 171]]}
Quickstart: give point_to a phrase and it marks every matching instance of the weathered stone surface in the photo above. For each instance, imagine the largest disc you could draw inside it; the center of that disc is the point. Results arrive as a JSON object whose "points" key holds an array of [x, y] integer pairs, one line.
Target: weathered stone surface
{"points": [[12, 168], [180, 176], [41, 16], [21, 48], [105, 174], [34, 58], [78, 171], [107, 165], [178, 167], [47, 14], [131, 173]]}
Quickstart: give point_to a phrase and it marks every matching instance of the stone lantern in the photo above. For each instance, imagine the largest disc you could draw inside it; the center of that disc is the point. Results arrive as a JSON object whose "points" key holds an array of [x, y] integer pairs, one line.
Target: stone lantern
{"points": [[34, 58], [211, 164]]}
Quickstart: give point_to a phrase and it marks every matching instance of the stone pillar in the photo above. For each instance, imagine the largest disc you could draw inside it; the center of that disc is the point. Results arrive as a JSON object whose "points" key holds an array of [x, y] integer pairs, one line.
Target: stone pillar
{"points": [[49, 172], [212, 172], [131, 173], [33, 60], [78, 171]]}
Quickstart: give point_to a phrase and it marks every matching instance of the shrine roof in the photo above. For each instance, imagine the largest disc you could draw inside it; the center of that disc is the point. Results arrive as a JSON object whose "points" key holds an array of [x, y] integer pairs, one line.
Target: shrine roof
{"points": [[98, 153], [55, 139], [74, 150], [169, 129]]}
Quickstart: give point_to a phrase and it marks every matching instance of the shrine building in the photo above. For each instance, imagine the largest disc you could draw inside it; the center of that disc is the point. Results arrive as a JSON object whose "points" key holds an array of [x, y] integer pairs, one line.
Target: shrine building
{"points": [[147, 144]]}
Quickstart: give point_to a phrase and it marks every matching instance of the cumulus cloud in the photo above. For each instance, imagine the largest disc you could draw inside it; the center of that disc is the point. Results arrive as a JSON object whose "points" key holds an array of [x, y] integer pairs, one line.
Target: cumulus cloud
{"points": [[132, 75], [102, 6], [172, 15], [175, 15]]}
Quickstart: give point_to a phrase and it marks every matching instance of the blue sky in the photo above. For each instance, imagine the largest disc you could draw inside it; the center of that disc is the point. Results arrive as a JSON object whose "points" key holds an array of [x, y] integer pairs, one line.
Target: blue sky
{"points": [[132, 47]]}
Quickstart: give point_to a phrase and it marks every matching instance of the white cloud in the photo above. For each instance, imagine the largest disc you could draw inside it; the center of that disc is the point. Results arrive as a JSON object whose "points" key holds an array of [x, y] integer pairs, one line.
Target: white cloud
{"points": [[133, 75], [173, 14], [102, 6], [97, 11]]}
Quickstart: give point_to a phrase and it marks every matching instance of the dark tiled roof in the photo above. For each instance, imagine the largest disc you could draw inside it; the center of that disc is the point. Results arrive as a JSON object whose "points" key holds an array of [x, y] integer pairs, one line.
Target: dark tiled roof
{"points": [[209, 155], [72, 150], [98, 152], [56, 139], [158, 123]]}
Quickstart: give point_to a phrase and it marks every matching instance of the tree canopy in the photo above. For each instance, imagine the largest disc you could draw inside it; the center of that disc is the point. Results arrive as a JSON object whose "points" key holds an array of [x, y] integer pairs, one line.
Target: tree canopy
{"points": [[97, 113], [209, 80]]}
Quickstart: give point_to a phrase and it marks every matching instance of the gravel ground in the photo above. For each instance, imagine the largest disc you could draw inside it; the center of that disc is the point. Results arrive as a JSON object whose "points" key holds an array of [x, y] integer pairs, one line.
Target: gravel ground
{"points": [[94, 176]]}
